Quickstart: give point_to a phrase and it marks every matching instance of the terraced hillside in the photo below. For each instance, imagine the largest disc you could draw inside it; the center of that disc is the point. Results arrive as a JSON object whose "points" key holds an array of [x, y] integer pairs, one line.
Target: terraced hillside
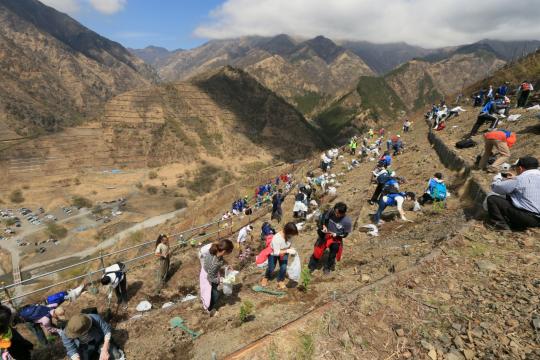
{"points": [[225, 115]]}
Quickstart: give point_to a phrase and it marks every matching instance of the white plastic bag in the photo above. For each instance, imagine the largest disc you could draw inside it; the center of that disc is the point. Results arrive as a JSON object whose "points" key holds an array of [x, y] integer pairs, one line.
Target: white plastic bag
{"points": [[294, 268], [228, 281]]}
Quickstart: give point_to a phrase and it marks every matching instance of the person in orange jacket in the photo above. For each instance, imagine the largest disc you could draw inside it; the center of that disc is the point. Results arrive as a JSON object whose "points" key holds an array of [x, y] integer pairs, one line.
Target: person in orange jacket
{"points": [[500, 139]]}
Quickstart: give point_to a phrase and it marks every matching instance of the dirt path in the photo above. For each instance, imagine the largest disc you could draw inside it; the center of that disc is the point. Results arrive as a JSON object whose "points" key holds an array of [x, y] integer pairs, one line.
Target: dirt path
{"points": [[148, 223]]}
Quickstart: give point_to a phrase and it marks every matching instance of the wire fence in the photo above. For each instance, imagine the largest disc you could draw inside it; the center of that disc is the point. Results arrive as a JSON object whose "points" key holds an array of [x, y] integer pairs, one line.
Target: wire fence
{"points": [[193, 236]]}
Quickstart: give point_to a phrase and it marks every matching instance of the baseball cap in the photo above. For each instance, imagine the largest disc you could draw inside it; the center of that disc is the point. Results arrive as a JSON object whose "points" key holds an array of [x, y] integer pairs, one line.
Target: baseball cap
{"points": [[527, 162]]}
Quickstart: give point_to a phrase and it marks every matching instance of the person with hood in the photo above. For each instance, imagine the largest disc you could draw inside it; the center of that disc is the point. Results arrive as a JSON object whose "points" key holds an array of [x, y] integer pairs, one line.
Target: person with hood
{"points": [[280, 250], [12, 344], [487, 114], [502, 140], [436, 190], [333, 226], [396, 199], [162, 253], [516, 203], [212, 262], [88, 336]]}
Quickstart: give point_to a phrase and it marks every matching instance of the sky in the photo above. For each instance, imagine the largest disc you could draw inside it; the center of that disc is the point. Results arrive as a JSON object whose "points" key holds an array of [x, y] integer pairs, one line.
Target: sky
{"points": [[186, 24]]}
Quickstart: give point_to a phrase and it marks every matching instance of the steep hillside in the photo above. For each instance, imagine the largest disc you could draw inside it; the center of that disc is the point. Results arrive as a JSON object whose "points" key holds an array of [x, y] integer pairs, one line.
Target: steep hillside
{"points": [[55, 71], [225, 115], [409, 87], [306, 74], [527, 68]]}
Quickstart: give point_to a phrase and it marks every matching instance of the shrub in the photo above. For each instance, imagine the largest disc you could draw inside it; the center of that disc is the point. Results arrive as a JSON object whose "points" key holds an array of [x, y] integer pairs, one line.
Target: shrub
{"points": [[97, 210], [10, 222], [152, 175], [26, 187], [180, 204], [81, 202], [56, 231], [305, 278], [246, 310], [206, 177], [139, 185], [16, 196], [152, 190]]}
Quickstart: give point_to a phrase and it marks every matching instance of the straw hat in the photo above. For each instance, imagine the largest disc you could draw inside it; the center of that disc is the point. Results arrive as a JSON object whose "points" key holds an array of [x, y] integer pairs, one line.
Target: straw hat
{"points": [[78, 325]]}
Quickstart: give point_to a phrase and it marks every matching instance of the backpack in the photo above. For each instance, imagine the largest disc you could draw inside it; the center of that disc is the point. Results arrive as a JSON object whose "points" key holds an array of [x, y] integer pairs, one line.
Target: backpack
{"points": [[391, 201], [57, 298], [465, 143], [33, 313], [438, 191], [390, 187]]}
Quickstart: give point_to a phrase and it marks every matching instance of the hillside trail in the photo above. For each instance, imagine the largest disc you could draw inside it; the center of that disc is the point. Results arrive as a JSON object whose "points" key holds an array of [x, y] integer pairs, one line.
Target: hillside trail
{"points": [[399, 246], [395, 280]]}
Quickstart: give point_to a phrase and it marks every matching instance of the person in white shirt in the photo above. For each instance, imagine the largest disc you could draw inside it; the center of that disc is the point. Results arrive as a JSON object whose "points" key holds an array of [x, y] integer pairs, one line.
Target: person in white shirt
{"points": [[244, 234], [281, 248], [115, 278]]}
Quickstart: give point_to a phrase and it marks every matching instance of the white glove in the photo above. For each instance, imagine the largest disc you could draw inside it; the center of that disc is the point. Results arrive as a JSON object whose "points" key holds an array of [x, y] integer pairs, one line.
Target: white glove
{"points": [[498, 177], [291, 251]]}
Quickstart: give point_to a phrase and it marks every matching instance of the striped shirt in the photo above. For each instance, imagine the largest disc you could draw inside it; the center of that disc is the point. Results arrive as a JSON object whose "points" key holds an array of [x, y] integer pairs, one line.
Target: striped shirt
{"points": [[524, 190]]}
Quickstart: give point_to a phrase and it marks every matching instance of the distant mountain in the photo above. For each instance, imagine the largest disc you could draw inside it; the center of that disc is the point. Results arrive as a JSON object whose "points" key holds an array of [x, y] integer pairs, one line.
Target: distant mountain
{"points": [[504, 50], [410, 87], [54, 71], [306, 73], [383, 58], [154, 55]]}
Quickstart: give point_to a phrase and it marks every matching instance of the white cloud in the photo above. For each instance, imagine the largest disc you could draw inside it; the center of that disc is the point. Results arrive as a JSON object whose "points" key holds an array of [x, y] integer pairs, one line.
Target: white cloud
{"points": [[108, 7], [67, 6], [422, 22]]}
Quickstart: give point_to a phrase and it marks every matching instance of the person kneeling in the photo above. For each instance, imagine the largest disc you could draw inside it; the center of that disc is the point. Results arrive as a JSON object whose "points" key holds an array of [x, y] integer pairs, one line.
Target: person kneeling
{"points": [[436, 190], [393, 200], [86, 336], [332, 228], [281, 248], [517, 203]]}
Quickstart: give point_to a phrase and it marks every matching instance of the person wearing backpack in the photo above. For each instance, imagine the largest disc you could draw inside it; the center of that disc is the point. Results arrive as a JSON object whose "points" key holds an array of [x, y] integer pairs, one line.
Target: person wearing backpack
{"points": [[115, 278], [500, 139], [436, 190], [393, 200], [277, 211], [333, 226], [12, 344]]}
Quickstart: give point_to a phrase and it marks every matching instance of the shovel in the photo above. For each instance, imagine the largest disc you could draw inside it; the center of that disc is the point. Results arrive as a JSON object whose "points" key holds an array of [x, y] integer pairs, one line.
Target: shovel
{"points": [[178, 322], [258, 288]]}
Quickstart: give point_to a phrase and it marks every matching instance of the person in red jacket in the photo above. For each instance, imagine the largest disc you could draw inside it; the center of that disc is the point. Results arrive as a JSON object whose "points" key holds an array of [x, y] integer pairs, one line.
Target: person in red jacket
{"points": [[500, 139]]}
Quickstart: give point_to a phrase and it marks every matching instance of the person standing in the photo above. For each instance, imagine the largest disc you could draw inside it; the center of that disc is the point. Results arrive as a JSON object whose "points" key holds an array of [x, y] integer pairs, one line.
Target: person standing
{"points": [[212, 261], [277, 200], [162, 253], [281, 248], [516, 204], [333, 226], [524, 91], [12, 344], [502, 140], [406, 125], [115, 277]]}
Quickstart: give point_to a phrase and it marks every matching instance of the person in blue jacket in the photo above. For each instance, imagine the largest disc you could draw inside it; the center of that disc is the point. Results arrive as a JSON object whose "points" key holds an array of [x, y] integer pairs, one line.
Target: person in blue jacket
{"points": [[436, 190], [486, 115], [396, 199]]}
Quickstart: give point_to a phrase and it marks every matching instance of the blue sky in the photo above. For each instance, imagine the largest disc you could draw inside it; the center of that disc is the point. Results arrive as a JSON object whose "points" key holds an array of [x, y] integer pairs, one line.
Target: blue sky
{"points": [[138, 23], [187, 23]]}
